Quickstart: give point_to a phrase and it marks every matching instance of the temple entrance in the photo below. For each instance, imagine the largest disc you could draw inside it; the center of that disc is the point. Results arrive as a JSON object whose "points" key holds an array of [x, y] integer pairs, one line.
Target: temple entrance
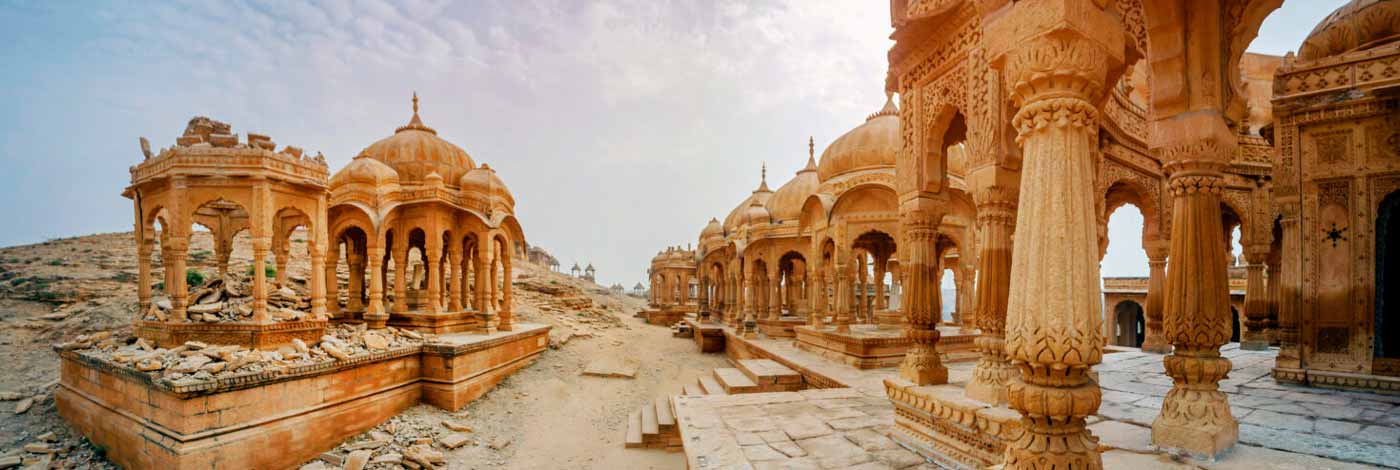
{"points": [[1130, 326], [1387, 329]]}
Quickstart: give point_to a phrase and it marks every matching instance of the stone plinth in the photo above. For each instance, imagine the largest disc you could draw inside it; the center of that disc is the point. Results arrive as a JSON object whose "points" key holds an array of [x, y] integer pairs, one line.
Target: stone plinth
{"points": [[873, 347], [437, 323], [709, 337], [667, 315], [248, 334], [781, 328], [941, 423], [283, 418]]}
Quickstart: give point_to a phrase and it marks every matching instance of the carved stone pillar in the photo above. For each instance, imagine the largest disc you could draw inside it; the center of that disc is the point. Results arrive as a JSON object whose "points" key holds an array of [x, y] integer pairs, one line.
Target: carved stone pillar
{"points": [[775, 294], [281, 255], [1153, 340], [485, 307], [375, 315], [923, 309], [818, 298], [1256, 300], [996, 218], [318, 281], [507, 314], [751, 294], [332, 280], [1058, 58], [842, 317], [401, 276], [1290, 288], [356, 285], [880, 302], [261, 245], [177, 290], [434, 262], [454, 285], [1195, 415]]}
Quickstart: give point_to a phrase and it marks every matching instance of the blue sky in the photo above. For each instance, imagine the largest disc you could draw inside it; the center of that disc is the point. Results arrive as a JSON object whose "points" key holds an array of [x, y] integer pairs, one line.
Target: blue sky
{"points": [[621, 126]]}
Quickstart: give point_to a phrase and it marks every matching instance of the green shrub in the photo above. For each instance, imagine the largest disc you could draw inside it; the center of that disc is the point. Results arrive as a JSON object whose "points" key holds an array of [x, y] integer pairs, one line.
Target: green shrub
{"points": [[160, 286], [55, 262], [194, 277], [17, 281], [269, 270]]}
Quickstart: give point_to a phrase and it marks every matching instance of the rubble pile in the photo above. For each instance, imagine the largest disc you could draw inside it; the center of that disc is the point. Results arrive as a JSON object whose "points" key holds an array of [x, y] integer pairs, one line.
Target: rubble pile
{"points": [[402, 442], [197, 362], [571, 304], [230, 299]]}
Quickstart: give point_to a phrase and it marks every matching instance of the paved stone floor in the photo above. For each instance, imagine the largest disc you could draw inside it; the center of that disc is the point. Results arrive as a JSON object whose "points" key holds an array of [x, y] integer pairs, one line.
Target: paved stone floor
{"points": [[1281, 426], [1351, 426]]}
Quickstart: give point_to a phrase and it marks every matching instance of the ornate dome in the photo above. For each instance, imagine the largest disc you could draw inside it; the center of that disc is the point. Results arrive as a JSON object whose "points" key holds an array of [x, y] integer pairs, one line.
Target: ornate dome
{"points": [[1356, 25], [365, 170], [483, 183], [786, 203], [711, 229], [761, 195], [869, 145], [756, 214], [415, 150]]}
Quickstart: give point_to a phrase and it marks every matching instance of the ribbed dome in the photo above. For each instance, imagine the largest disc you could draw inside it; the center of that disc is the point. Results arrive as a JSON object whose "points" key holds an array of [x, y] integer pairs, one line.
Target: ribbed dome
{"points": [[415, 150], [711, 229], [756, 214], [365, 170], [870, 145], [762, 194], [483, 183], [1356, 25], [786, 203]]}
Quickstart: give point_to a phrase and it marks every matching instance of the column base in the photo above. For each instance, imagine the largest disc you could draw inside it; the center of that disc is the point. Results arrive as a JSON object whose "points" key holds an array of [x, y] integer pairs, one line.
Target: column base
{"points": [[1255, 345], [988, 384], [1205, 441], [1156, 344]]}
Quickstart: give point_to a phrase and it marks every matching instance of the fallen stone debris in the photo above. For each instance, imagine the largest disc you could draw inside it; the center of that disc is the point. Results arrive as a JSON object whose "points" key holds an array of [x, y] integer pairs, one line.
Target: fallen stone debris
{"points": [[197, 362], [230, 299]]}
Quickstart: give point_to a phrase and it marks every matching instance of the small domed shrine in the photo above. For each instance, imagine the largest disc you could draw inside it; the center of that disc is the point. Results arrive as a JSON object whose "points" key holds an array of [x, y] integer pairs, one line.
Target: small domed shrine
{"points": [[415, 208]]}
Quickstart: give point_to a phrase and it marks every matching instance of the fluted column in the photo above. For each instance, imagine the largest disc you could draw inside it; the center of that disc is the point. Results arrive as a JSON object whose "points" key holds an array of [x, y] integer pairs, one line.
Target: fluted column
{"points": [[261, 245], [1195, 415], [1256, 300], [923, 307], [1154, 341], [1290, 287], [817, 317], [1058, 58], [751, 295], [775, 303], [281, 255], [996, 218], [375, 315], [507, 312], [880, 302], [401, 275]]}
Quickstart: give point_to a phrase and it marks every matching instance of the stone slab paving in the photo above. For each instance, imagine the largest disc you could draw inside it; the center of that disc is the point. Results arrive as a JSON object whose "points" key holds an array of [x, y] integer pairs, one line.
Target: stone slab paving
{"points": [[1335, 424], [837, 428], [1281, 426]]}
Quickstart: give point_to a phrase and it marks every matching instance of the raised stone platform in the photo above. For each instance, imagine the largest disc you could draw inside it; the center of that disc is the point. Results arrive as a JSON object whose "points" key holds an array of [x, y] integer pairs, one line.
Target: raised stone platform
{"points": [[709, 337], [875, 346], [781, 328], [667, 315], [437, 323], [278, 419], [270, 335]]}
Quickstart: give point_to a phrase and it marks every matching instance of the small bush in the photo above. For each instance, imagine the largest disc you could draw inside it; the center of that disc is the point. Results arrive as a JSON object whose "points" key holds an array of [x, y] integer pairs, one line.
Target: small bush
{"points": [[55, 262], [194, 278], [269, 270], [160, 286], [123, 276], [200, 255], [18, 281]]}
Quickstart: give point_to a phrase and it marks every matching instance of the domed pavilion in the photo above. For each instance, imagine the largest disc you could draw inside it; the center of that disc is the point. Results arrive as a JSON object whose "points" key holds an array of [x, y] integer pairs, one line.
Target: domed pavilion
{"points": [[426, 235]]}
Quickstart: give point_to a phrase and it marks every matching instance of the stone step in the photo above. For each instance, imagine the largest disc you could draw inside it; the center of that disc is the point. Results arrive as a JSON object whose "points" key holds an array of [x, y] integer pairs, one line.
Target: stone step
{"points": [[692, 389], [710, 386], [734, 381], [766, 372], [665, 418], [649, 424], [634, 430]]}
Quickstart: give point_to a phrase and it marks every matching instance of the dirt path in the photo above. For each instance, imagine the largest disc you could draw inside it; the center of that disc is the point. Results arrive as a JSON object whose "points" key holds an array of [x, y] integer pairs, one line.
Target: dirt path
{"points": [[573, 421]]}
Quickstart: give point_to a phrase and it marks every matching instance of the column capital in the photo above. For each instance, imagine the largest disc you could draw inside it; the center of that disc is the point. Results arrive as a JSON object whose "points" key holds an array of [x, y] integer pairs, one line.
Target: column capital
{"points": [[1051, 49], [1194, 142], [262, 244], [1157, 250]]}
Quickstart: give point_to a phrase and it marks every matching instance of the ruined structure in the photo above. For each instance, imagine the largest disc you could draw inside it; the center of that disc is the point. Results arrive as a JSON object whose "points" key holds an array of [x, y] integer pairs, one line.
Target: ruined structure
{"points": [[213, 380]]}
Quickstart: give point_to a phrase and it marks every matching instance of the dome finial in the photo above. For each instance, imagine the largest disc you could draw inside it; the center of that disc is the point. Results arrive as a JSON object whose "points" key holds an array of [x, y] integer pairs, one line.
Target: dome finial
{"points": [[415, 103], [811, 154], [416, 123], [763, 179]]}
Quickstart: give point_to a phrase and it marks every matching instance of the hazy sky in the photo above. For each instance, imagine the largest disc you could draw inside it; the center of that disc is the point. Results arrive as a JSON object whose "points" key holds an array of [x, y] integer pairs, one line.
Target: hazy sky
{"points": [[620, 126]]}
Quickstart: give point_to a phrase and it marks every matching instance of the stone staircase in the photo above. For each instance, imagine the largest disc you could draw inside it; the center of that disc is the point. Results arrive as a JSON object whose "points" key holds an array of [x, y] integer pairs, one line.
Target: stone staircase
{"points": [[653, 425]]}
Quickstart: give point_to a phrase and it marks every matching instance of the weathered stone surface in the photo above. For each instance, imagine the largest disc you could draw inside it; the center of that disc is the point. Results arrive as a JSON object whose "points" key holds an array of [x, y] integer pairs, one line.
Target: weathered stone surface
{"points": [[612, 367], [454, 440], [357, 460]]}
